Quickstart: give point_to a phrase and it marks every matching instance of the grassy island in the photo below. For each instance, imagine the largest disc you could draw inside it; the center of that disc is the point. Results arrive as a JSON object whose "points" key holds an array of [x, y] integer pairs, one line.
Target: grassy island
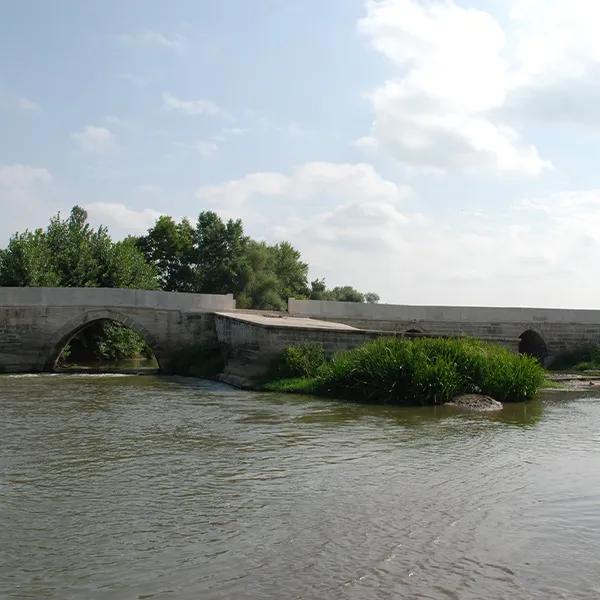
{"points": [[407, 371]]}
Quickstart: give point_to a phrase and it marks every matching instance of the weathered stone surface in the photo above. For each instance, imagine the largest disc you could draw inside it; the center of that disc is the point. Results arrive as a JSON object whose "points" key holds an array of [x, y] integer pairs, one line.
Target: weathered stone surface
{"points": [[475, 402], [36, 323], [559, 330]]}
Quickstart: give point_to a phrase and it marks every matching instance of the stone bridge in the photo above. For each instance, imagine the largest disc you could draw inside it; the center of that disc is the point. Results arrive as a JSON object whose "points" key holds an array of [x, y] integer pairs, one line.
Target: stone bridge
{"points": [[36, 324], [542, 332]]}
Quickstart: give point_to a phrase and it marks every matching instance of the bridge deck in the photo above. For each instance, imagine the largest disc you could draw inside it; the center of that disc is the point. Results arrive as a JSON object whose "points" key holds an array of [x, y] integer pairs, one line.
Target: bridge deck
{"points": [[285, 321]]}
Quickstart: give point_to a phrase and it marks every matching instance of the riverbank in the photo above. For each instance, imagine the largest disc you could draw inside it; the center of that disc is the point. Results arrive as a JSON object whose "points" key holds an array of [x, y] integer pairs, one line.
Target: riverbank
{"points": [[572, 382]]}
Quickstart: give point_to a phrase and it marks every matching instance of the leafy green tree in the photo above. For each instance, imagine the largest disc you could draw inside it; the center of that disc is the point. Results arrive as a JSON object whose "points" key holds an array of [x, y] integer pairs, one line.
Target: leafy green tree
{"points": [[169, 247], [220, 254], [27, 261], [126, 267], [346, 293], [290, 271], [371, 297], [79, 252], [261, 288], [318, 290], [273, 274], [214, 256], [70, 253]]}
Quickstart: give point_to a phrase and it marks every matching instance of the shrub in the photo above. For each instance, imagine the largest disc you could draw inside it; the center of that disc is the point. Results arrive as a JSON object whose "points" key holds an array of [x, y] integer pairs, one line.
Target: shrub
{"points": [[301, 360], [428, 371], [298, 385]]}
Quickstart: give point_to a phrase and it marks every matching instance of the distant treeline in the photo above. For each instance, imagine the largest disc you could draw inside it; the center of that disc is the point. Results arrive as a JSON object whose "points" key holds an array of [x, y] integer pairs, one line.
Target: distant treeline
{"points": [[210, 256]]}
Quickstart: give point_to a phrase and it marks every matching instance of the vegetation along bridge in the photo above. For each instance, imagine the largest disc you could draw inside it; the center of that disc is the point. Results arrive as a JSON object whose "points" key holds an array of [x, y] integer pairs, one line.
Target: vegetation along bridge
{"points": [[37, 323]]}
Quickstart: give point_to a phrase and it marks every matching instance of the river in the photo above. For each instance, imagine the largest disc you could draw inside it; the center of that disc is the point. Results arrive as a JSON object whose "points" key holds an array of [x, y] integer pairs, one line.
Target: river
{"points": [[122, 487]]}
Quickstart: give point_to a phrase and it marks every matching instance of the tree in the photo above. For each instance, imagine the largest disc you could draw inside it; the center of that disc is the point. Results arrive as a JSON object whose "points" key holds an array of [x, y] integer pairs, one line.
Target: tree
{"points": [[290, 271], [346, 293], [126, 267], [318, 290], [220, 254], [371, 297], [27, 261], [70, 253], [79, 253], [169, 247]]}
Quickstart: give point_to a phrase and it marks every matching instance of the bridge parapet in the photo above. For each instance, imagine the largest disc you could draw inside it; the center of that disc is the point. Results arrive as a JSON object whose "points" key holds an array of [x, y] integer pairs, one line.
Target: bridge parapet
{"points": [[322, 309], [542, 332], [113, 298]]}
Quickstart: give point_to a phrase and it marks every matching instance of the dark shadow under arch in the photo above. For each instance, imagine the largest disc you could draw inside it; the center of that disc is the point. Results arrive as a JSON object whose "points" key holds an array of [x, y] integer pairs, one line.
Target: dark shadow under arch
{"points": [[413, 332], [68, 331], [533, 344]]}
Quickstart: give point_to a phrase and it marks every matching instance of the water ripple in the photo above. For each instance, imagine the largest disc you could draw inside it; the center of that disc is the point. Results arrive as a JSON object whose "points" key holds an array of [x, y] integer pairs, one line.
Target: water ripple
{"points": [[147, 487]]}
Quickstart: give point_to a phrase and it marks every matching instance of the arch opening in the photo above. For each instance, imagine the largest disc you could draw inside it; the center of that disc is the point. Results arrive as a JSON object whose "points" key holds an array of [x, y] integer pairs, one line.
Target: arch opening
{"points": [[104, 344], [413, 332], [533, 344]]}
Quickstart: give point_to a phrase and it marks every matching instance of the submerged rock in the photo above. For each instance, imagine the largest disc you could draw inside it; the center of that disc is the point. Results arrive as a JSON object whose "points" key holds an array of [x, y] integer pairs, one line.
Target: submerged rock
{"points": [[475, 402]]}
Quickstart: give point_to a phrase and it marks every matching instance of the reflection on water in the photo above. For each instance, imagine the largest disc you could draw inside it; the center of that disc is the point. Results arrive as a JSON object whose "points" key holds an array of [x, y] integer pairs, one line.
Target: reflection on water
{"points": [[148, 487]]}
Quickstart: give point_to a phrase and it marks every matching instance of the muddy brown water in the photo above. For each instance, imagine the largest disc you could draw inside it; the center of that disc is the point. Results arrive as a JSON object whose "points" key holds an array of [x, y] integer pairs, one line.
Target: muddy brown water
{"points": [[119, 487]]}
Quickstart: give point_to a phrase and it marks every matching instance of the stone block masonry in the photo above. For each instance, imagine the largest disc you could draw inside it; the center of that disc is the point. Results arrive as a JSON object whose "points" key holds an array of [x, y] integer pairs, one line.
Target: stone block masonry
{"points": [[36, 323], [543, 332]]}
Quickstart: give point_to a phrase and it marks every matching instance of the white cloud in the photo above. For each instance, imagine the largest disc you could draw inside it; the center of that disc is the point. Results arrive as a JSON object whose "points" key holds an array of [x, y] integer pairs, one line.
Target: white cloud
{"points": [[24, 198], [134, 79], [191, 107], [452, 76], [94, 139], [20, 176], [148, 188], [312, 185], [153, 39], [204, 148], [229, 133], [120, 219], [355, 227], [19, 103], [556, 53]]}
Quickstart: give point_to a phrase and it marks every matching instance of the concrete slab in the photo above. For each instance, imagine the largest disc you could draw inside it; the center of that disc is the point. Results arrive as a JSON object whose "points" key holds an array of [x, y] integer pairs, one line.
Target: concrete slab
{"points": [[289, 322]]}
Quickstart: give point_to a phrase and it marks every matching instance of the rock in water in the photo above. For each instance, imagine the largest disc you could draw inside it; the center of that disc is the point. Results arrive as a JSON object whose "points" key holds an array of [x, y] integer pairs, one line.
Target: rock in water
{"points": [[475, 402]]}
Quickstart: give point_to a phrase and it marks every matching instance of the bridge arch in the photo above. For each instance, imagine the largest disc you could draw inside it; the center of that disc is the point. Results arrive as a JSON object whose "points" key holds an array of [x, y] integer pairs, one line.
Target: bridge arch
{"points": [[414, 331], [532, 343], [69, 330]]}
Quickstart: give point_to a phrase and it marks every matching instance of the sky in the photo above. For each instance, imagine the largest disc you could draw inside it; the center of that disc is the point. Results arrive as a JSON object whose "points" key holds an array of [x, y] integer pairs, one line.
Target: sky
{"points": [[432, 151]]}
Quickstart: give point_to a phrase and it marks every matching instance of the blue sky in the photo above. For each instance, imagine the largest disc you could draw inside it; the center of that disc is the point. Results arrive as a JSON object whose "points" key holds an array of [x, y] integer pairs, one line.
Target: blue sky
{"points": [[434, 151]]}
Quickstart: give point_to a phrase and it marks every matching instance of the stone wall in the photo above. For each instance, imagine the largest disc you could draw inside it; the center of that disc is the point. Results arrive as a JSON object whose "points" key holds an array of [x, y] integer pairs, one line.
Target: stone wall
{"points": [[251, 346]]}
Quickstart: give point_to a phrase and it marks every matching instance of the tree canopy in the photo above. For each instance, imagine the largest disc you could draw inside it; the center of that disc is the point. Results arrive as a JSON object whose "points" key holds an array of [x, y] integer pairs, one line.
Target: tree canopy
{"points": [[70, 253], [209, 256]]}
